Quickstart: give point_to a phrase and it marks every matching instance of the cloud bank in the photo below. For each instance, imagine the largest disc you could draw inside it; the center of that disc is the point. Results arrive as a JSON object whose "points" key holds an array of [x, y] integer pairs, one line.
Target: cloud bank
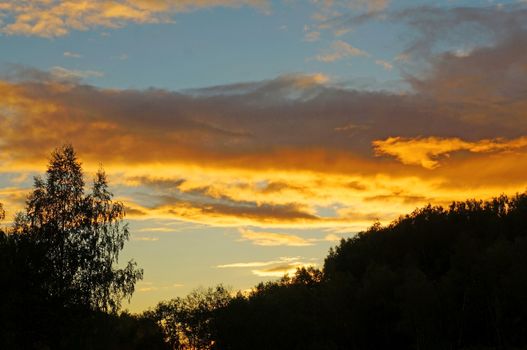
{"points": [[297, 151]]}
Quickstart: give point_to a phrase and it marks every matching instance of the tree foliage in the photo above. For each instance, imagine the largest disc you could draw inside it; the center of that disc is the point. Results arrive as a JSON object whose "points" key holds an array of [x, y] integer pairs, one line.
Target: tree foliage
{"points": [[188, 323], [82, 235], [58, 267]]}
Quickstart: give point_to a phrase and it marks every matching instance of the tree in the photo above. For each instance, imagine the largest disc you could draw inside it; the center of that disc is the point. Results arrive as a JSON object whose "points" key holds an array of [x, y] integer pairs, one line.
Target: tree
{"points": [[189, 322], [81, 234]]}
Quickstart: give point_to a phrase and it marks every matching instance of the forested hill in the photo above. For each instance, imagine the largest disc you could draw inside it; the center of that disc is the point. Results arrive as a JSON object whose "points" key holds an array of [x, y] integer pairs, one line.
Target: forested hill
{"points": [[438, 278]]}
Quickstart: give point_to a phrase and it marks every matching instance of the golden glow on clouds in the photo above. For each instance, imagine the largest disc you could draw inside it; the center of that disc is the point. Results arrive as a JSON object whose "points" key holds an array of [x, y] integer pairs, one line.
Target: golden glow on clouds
{"points": [[273, 239], [280, 270], [310, 80], [425, 151], [147, 286], [52, 18], [328, 9], [222, 197], [272, 268], [13, 200], [294, 152], [145, 239]]}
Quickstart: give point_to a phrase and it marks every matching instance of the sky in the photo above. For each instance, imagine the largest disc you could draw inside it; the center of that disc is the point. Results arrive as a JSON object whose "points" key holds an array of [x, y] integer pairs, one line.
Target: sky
{"points": [[247, 137]]}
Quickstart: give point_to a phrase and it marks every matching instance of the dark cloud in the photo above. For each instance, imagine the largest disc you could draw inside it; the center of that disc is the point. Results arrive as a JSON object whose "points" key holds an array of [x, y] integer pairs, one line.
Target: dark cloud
{"points": [[263, 213], [356, 185], [428, 27], [465, 26], [158, 125], [487, 77], [202, 202], [277, 187], [158, 183], [135, 212], [399, 197]]}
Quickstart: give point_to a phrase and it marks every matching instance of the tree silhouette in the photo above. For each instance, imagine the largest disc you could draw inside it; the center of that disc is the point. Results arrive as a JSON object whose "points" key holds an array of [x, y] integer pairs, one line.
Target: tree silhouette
{"points": [[189, 322], [82, 235], [59, 284]]}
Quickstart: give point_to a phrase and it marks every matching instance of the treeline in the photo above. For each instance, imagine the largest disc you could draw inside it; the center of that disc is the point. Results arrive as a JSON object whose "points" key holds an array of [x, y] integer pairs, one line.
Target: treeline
{"points": [[438, 278]]}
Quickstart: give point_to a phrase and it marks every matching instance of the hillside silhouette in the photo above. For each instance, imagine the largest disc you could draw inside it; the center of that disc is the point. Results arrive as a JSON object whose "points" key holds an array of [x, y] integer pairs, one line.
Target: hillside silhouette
{"points": [[438, 278]]}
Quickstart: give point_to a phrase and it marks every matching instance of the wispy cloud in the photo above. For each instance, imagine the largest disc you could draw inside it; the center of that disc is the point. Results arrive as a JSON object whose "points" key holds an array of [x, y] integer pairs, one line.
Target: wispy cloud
{"points": [[147, 286], [58, 17], [384, 64], [62, 73], [258, 263], [145, 239], [312, 36], [274, 239], [272, 268], [339, 50], [332, 8], [70, 54], [158, 229]]}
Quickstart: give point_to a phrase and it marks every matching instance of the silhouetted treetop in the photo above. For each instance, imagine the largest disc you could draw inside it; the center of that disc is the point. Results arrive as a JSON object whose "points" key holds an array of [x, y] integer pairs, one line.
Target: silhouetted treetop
{"points": [[61, 287], [82, 234]]}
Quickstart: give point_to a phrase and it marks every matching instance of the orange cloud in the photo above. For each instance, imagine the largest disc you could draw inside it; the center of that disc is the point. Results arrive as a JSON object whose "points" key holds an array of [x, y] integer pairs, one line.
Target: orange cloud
{"points": [[426, 151], [329, 9], [13, 199], [235, 197], [241, 213], [146, 286], [57, 17], [274, 239], [291, 152], [259, 263], [273, 268], [280, 270]]}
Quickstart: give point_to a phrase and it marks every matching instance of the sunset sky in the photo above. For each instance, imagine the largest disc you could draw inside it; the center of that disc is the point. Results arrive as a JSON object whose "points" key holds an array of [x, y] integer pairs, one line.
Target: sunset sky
{"points": [[246, 137]]}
